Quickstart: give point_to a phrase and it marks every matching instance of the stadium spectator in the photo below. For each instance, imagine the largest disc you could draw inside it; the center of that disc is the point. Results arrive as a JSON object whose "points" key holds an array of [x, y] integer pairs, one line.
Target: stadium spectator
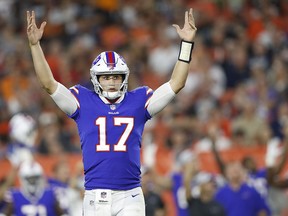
{"points": [[187, 161], [249, 122], [237, 197], [155, 205], [260, 178], [238, 182], [204, 204]]}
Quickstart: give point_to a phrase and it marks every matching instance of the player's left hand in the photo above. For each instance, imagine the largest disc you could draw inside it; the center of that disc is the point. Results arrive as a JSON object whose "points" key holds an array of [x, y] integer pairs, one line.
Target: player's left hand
{"points": [[188, 32]]}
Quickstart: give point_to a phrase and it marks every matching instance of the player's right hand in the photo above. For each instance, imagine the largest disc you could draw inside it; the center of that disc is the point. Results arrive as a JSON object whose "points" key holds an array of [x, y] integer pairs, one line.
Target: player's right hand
{"points": [[34, 33], [189, 29]]}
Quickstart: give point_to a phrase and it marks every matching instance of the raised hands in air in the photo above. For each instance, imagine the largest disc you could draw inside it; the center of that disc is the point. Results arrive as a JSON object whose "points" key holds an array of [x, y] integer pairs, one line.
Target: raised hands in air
{"points": [[33, 32], [189, 29]]}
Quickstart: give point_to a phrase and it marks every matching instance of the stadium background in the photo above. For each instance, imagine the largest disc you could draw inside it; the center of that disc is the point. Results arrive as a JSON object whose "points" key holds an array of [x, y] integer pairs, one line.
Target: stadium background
{"points": [[239, 69]]}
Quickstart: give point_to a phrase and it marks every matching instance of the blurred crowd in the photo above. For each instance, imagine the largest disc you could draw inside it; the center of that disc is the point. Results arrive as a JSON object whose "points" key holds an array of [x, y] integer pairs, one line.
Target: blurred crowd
{"points": [[238, 79]]}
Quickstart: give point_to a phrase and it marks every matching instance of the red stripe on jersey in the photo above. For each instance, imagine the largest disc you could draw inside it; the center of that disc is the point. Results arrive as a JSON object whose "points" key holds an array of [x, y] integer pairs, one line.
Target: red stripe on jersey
{"points": [[147, 102], [148, 91], [77, 101], [75, 89]]}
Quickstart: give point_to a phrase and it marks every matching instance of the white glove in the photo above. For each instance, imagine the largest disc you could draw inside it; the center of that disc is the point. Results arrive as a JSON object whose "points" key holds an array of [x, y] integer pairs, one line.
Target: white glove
{"points": [[272, 152]]}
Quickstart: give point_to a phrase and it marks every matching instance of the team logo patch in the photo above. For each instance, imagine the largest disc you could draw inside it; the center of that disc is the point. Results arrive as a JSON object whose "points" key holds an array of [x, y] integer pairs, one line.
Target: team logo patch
{"points": [[103, 195]]}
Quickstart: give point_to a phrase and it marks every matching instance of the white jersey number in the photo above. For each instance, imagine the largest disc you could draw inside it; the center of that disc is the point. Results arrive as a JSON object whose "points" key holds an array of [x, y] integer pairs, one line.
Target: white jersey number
{"points": [[33, 210], [118, 121]]}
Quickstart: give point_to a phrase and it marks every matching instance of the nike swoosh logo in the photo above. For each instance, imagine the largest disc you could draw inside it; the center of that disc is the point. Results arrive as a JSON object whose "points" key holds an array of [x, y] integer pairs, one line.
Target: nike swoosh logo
{"points": [[134, 195]]}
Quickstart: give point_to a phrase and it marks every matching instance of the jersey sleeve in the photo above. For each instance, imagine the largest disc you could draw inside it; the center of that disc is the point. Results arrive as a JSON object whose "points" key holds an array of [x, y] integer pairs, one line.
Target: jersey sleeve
{"points": [[149, 93], [75, 90]]}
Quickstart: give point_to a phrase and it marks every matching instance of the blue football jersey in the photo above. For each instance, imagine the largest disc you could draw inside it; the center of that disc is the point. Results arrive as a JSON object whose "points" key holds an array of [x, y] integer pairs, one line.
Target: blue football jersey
{"points": [[24, 206], [258, 180], [179, 195], [60, 190], [110, 136], [244, 201]]}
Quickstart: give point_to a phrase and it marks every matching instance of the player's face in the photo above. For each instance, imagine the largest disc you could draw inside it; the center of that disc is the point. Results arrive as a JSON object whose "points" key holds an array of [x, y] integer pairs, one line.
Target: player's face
{"points": [[235, 172], [33, 184], [111, 83], [207, 190]]}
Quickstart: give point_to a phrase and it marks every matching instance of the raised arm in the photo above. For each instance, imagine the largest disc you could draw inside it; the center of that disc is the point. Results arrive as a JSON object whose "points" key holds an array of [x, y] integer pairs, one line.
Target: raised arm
{"points": [[59, 93], [212, 134], [187, 34], [42, 69], [283, 159], [190, 171], [273, 168], [165, 93]]}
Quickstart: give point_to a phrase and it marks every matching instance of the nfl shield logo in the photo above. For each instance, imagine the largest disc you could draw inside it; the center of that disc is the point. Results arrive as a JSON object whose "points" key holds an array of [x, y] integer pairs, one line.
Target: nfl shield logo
{"points": [[112, 107], [103, 195]]}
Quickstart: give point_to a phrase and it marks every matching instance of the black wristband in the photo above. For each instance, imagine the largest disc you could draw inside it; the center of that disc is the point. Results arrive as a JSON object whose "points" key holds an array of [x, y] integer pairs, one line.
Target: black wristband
{"points": [[185, 52]]}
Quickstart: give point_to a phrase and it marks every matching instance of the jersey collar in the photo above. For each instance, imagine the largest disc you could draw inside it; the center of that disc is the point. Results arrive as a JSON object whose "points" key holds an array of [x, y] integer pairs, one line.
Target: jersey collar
{"points": [[106, 101]]}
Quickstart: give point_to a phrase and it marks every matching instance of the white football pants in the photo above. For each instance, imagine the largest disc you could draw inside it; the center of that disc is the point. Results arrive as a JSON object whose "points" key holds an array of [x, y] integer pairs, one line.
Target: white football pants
{"points": [[103, 202]]}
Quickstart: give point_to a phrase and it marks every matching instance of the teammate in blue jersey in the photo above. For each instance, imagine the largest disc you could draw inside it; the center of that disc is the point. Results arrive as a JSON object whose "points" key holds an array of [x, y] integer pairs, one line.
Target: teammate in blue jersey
{"points": [[237, 197], [111, 120], [33, 197]]}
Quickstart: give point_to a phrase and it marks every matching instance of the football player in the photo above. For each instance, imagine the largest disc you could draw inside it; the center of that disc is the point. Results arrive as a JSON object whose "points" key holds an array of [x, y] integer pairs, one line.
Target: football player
{"points": [[23, 134], [111, 120], [33, 197]]}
